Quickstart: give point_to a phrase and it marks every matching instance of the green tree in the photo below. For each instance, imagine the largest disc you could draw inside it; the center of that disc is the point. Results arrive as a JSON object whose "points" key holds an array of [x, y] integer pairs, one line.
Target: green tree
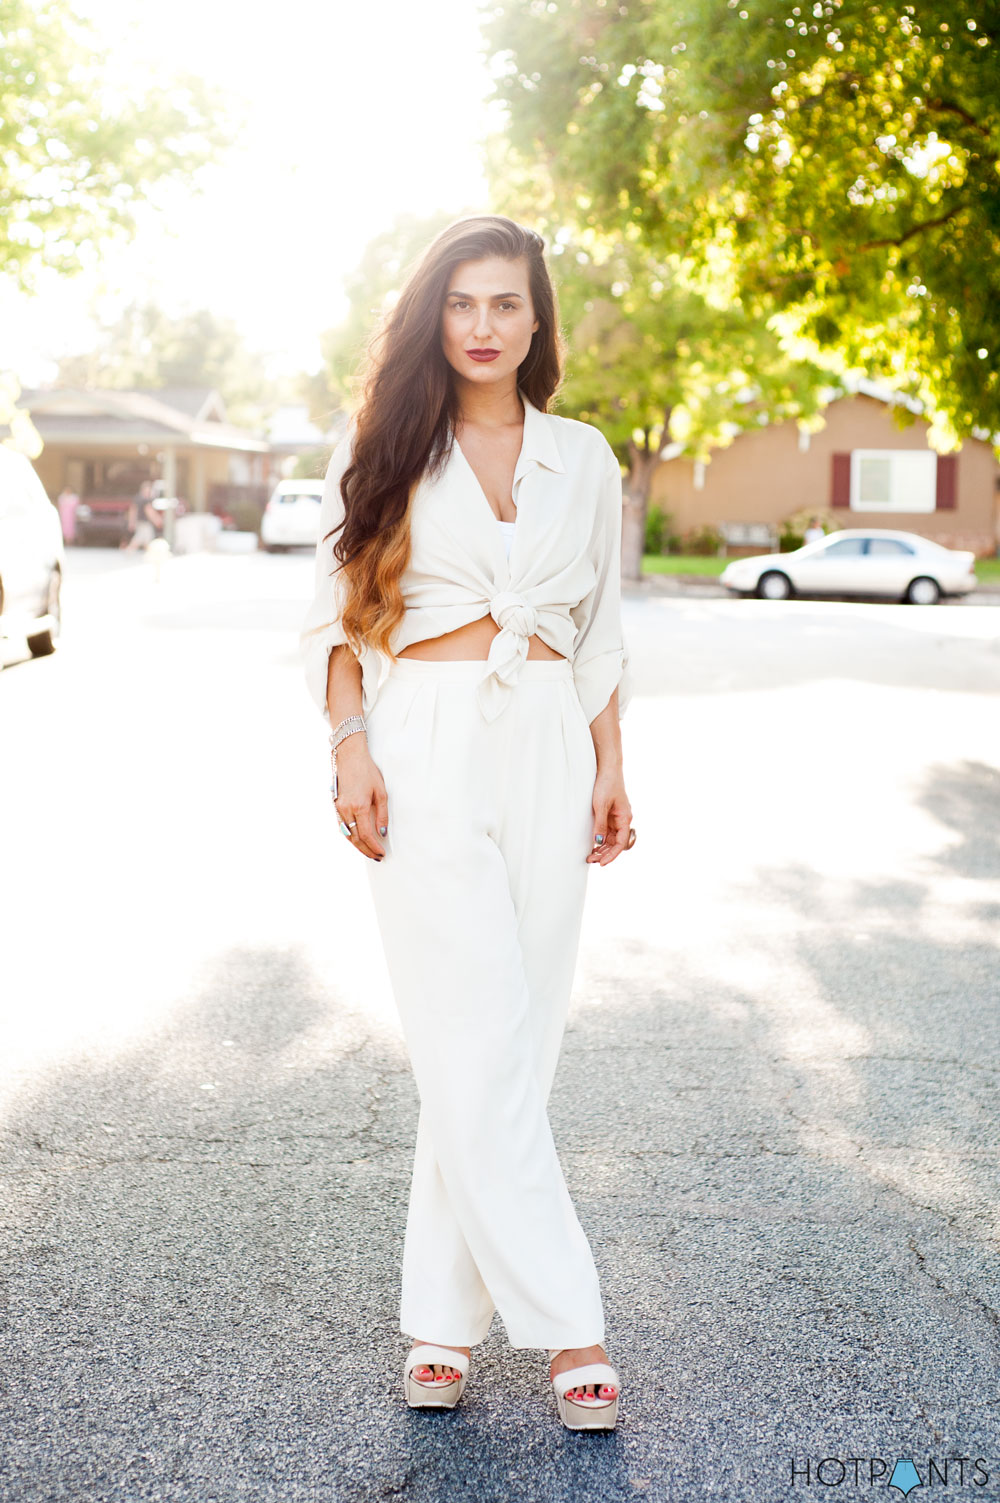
{"points": [[843, 154], [654, 361], [81, 150]]}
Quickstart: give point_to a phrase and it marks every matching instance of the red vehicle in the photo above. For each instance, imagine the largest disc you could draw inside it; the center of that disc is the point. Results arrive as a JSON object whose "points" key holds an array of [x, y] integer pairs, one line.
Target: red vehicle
{"points": [[103, 519]]}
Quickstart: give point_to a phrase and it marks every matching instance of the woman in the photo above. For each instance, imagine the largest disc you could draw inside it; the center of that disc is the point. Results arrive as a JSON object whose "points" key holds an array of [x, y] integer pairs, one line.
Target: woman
{"points": [[68, 502], [465, 646]]}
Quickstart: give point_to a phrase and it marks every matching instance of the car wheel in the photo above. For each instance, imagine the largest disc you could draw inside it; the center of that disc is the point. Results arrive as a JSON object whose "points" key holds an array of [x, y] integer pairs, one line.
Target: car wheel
{"points": [[774, 585], [923, 591], [44, 642]]}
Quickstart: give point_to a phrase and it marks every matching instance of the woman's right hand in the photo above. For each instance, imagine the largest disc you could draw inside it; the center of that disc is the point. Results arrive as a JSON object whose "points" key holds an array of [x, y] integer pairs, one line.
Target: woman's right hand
{"points": [[361, 796]]}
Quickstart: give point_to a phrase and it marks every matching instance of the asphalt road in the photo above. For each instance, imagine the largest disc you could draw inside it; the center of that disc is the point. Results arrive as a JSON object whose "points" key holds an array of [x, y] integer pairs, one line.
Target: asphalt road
{"points": [[777, 1103]]}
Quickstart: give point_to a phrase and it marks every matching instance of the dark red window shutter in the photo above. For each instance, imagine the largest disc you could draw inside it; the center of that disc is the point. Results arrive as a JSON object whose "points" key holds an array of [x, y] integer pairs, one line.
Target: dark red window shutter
{"points": [[841, 488], [947, 476]]}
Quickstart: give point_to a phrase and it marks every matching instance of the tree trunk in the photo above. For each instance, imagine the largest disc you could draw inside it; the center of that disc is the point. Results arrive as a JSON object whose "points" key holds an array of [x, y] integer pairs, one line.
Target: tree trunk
{"points": [[635, 502]]}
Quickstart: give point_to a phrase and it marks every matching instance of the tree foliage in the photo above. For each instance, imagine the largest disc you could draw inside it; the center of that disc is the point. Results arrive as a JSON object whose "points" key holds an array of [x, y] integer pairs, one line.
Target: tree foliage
{"points": [[843, 156], [146, 347], [80, 149], [653, 361]]}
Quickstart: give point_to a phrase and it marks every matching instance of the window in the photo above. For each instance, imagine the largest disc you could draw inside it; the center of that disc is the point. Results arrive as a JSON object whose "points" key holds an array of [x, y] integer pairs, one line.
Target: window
{"points": [[845, 548], [886, 548], [893, 480]]}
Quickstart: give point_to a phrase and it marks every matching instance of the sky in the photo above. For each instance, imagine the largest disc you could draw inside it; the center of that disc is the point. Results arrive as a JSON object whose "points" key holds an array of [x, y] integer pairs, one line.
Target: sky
{"points": [[355, 113]]}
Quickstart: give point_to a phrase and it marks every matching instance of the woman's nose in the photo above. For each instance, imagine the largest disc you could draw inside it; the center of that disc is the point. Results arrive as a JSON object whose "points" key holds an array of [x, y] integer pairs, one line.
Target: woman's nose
{"points": [[483, 324]]}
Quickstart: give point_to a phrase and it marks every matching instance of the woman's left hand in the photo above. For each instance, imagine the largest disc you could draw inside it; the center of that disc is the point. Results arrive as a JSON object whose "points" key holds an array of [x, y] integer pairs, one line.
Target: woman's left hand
{"points": [[612, 816]]}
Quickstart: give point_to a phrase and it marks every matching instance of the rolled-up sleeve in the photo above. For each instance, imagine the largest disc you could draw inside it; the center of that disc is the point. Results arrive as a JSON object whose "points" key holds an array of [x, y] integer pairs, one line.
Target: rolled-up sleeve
{"points": [[600, 656], [321, 629]]}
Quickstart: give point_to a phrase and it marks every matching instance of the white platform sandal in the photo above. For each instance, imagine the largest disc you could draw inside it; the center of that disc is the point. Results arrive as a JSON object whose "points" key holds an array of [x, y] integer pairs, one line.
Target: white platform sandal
{"points": [[443, 1392], [600, 1412]]}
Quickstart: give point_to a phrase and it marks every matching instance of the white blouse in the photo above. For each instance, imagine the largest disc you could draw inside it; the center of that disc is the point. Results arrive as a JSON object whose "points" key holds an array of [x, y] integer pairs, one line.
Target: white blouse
{"points": [[559, 577]]}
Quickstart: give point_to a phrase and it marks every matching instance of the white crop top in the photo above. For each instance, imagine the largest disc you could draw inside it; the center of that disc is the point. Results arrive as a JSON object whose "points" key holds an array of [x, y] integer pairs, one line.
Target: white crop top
{"points": [[560, 579], [507, 533]]}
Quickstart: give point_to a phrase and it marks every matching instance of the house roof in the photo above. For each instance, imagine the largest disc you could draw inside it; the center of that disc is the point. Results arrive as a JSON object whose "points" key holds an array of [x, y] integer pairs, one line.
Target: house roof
{"points": [[203, 403], [92, 417]]}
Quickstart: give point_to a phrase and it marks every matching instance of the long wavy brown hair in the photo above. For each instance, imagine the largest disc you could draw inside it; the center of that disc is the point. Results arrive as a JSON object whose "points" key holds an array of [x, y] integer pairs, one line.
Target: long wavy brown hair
{"points": [[408, 410]]}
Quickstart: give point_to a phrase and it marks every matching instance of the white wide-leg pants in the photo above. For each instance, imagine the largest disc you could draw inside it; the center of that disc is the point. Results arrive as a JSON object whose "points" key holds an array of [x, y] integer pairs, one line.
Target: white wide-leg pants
{"points": [[479, 902]]}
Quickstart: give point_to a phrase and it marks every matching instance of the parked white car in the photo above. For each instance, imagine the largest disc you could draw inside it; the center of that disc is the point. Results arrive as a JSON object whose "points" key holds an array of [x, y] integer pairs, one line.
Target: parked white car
{"points": [[291, 516], [31, 556], [857, 562]]}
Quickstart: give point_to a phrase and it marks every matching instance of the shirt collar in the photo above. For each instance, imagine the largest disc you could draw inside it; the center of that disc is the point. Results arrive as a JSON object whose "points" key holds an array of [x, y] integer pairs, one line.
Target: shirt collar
{"points": [[539, 440]]}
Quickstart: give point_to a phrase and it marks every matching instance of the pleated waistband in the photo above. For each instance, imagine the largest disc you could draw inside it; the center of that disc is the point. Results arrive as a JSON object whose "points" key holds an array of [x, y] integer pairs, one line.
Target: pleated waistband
{"points": [[473, 669]]}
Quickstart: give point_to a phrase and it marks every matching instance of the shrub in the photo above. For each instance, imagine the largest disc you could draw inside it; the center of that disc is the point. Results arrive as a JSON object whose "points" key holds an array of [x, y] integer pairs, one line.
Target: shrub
{"points": [[796, 524], [702, 542], [789, 541], [660, 535]]}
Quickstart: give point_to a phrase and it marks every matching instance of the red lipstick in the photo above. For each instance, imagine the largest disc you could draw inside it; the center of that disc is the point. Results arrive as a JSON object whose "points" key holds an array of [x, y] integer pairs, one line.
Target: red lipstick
{"points": [[482, 355]]}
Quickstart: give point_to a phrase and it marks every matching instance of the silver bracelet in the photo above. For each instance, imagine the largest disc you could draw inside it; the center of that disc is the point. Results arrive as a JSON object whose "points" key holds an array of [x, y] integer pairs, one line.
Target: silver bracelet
{"points": [[348, 727]]}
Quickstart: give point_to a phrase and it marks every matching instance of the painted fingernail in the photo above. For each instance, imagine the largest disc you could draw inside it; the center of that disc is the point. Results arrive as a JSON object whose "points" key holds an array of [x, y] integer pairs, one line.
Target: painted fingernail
{"points": [[382, 830], [598, 839]]}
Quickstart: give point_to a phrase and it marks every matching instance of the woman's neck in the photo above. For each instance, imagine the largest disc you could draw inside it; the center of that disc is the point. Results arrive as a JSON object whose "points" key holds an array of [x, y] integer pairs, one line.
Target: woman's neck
{"points": [[489, 406]]}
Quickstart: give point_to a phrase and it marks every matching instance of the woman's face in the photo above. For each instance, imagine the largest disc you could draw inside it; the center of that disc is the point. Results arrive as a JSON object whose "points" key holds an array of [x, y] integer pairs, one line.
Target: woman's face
{"points": [[488, 306]]}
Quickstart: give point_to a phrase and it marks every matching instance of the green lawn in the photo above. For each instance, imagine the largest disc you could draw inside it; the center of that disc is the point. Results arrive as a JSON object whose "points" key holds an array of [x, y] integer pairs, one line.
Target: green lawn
{"points": [[987, 569], [676, 563]]}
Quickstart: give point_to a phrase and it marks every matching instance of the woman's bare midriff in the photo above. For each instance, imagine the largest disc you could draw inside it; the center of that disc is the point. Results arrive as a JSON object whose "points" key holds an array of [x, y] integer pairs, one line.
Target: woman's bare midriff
{"points": [[470, 641]]}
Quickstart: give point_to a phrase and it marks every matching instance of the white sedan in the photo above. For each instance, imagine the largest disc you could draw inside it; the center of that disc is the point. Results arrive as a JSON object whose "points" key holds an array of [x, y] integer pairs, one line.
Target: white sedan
{"points": [[291, 516], [891, 565]]}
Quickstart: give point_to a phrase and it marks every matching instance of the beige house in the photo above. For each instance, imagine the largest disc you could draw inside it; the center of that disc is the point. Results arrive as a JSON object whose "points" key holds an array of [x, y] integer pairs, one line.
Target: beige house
{"points": [[870, 472], [103, 444]]}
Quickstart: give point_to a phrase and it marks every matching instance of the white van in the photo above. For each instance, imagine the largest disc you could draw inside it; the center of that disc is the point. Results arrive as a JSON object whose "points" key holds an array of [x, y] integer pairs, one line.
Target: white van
{"points": [[291, 517]]}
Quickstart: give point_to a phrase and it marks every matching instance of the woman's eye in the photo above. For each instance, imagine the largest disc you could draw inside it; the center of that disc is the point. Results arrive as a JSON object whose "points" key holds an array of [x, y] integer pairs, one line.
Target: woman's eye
{"points": [[462, 303]]}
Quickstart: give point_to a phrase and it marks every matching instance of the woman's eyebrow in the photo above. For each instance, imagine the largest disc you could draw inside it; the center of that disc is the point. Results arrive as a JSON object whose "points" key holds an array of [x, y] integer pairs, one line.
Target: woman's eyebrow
{"points": [[455, 293]]}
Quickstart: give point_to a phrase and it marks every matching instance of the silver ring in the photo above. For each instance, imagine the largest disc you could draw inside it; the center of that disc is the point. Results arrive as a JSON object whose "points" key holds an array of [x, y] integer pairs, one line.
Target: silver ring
{"points": [[354, 824], [345, 829]]}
